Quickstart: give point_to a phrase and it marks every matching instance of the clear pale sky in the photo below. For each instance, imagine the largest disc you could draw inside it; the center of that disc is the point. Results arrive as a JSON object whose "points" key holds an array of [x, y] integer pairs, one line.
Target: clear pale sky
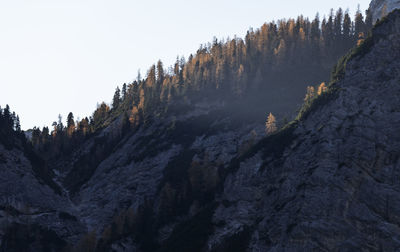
{"points": [[58, 56]]}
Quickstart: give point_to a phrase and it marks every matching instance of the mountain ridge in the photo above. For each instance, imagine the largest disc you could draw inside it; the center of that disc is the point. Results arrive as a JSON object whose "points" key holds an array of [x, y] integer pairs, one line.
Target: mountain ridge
{"points": [[201, 179]]}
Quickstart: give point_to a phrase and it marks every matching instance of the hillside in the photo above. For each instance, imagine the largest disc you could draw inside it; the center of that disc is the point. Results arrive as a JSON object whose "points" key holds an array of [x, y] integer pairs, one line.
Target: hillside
{"points": [[179, 163]]}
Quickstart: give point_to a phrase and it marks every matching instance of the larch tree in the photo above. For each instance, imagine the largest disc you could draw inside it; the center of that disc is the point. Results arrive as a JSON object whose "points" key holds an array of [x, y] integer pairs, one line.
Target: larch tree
{"points": [[322, 88], [270, 124]]}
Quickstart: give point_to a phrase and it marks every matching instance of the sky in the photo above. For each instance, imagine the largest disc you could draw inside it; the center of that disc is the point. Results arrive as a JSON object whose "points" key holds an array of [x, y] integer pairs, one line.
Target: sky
{"points": [[61, 56]]}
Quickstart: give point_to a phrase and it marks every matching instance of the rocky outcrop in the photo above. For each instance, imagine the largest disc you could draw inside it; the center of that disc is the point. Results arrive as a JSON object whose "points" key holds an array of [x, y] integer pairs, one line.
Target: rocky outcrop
{"points": [[27, 199], [381, 8]]}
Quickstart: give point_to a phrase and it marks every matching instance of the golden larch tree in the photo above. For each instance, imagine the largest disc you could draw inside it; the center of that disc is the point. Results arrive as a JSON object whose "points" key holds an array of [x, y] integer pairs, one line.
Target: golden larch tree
{"points": [[322, 88], [270, 124]]}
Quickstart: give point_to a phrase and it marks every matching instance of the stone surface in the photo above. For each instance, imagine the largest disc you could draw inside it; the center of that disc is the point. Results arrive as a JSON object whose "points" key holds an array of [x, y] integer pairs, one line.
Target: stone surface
{"points": [[337, 187], [381, 8]]}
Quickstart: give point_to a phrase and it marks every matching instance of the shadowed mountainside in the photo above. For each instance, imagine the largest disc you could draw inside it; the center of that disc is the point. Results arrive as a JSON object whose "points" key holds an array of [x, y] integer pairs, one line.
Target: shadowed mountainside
{"points": [[204, 179]]}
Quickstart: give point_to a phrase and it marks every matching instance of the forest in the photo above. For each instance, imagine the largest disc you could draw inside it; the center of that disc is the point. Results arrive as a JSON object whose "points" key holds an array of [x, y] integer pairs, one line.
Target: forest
{"points": [[269, 70]]}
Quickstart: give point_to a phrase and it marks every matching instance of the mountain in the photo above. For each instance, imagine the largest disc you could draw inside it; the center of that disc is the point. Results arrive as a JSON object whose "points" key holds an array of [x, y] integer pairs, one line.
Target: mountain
{"points": [[198, 175], [333, 184], [380, 8]]}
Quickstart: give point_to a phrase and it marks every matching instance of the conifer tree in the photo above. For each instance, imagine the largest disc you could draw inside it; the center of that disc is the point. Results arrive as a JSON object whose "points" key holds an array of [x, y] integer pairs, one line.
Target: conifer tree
{"points": [[151, 77], [70, 124], [322, 88], [346, 26], [160, 73], [310, 94], [17, 124], [315, 32], [116, 98], [60, 126], [270, 124], [54, 132], [124, 91], [358, 23]]}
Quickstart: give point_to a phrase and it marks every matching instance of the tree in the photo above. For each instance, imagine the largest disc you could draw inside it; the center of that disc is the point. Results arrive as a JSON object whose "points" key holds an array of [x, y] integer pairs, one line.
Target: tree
{"points": [[17, 124], [7, 117], [60, 126], [124, 91], [310, 94], [55, 129], [84, 126], [151, 76], [160, 73], [315, 32], [70, 124], [116, 98], [322, 88], [36, 136], [358, 23], [346, 26], [100, 114], [270, 124], [45, 135], [338, 24]]}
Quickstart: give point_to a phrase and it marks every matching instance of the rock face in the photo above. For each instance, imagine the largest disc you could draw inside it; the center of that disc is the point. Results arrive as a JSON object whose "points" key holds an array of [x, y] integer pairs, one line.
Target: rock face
{"points": [[202, 180], [335, 186], [381, 8], [26, 200]]}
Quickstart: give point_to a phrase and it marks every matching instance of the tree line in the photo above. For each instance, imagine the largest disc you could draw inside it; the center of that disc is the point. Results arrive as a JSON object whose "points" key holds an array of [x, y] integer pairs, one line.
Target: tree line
{"points": [[272, 61], [10, 127]]}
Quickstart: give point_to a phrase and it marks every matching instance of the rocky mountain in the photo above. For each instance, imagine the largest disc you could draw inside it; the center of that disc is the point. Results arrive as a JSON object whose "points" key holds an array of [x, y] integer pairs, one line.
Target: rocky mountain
{"points": [[204, 179], [334, 184], [381, 8]]}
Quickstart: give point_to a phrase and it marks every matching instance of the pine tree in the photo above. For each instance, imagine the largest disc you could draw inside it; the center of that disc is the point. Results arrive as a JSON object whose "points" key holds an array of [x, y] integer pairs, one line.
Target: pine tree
{"points": [[359, 23], [70, 124], [60, 126], [17, 124], [160, 73], [7, 117], [151, 77], [346, 26], [315, 32], [270, 124], [338, 24], [116, 98], [124, 92]]}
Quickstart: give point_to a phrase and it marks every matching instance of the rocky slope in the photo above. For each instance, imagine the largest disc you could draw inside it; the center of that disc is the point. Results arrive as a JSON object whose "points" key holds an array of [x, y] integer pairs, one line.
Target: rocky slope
{"points": [[381, 8], [335, 185], [201, 179]]}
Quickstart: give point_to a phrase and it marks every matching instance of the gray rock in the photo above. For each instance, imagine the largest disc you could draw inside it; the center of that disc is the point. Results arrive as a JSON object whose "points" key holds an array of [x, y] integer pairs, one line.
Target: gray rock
{"points": [[381, 8], [337, 188]]}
